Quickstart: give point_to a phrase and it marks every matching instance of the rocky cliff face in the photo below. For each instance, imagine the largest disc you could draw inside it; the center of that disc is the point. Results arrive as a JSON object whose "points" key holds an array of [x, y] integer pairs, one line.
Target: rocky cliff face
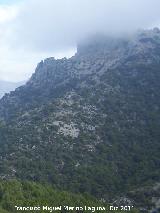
{"points": [[89, 123], [93, 59]]}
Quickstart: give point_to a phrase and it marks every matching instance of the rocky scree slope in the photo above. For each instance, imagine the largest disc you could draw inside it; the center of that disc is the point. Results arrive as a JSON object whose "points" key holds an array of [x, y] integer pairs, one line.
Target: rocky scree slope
{"points": [[89, 123]]}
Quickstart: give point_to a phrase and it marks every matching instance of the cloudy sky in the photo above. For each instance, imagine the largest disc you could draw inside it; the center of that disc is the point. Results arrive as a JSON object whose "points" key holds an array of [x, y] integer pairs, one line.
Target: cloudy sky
{"points": [[31, 30]]}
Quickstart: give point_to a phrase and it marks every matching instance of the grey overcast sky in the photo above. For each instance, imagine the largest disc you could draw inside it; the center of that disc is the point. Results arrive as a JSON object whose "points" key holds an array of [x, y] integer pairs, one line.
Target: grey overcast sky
{"points": [[31, 30]]}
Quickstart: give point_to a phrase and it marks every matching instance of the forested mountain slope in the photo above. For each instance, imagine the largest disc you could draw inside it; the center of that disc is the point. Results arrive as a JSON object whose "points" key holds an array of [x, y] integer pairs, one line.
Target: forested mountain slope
{"points": [[27, 196], [90, 123]]}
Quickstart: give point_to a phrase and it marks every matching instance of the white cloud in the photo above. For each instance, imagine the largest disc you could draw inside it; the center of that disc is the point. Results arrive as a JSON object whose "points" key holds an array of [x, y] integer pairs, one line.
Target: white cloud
{"points": [[35, 29], [57, 24], [7, 13], [18, 62]]}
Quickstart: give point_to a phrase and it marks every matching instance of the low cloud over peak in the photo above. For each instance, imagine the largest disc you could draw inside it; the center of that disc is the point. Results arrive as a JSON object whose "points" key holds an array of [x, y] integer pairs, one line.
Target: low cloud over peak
{"points": [[57, 25], [38, 29]]}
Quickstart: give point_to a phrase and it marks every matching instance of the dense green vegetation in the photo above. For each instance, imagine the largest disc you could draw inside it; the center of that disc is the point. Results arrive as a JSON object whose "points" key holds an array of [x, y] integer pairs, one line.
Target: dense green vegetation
{"points": [[15, 194]]}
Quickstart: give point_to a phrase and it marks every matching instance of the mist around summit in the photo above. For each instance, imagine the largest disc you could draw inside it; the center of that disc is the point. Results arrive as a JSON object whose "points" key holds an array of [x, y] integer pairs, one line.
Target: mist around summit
{"points": [[64, 23], [30, 33]]}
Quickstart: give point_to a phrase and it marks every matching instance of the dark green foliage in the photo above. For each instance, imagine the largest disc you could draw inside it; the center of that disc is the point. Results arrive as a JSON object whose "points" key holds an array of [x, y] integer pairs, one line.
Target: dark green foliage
{"points": [[29, 194]]}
